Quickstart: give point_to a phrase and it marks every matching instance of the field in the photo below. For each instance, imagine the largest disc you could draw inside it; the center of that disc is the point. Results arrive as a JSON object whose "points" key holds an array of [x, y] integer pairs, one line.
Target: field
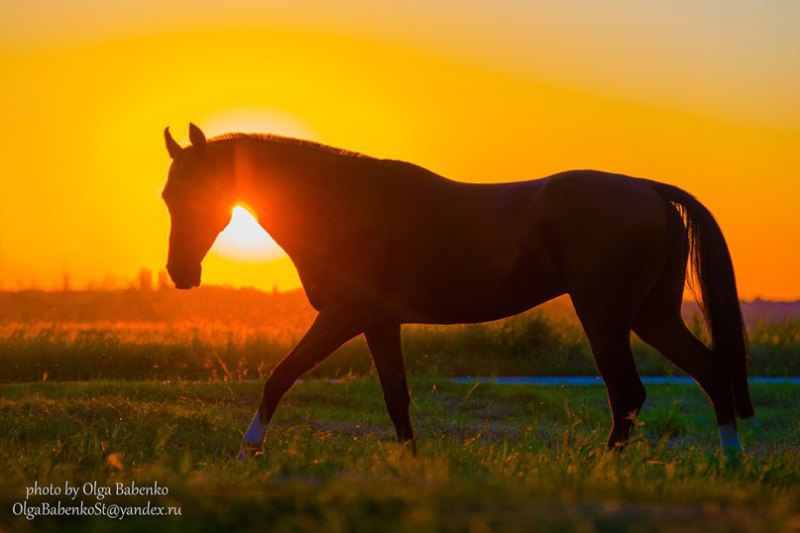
{"points": [[492, 457], [107, 387]]}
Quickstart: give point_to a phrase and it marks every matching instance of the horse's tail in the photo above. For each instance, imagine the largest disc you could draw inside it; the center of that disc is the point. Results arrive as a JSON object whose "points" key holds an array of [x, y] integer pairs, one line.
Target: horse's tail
{"points": [[713, 271]]}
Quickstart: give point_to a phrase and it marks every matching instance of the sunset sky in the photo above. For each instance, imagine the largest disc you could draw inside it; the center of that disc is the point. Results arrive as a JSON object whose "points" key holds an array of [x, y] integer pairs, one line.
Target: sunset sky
{"points": [[704, 95]]}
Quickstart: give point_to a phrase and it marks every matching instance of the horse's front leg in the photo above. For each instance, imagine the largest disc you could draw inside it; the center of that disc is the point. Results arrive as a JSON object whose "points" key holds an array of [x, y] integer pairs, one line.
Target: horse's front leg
{"points": [[329, 331], [387, 353]]}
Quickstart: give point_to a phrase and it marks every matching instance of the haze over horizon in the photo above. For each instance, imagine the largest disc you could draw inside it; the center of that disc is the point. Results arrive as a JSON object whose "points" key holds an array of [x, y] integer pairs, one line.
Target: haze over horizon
{"points": [[703, 96]]}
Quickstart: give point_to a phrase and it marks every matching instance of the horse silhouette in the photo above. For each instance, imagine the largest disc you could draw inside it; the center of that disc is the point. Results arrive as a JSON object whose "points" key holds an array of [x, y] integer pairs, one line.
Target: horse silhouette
{"points": [[380, 243]]}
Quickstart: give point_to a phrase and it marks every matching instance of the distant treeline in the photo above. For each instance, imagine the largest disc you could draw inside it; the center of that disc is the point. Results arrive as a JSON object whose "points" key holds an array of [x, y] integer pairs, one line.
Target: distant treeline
{"points": [[244, 306], [248, 306], [217, 333]]}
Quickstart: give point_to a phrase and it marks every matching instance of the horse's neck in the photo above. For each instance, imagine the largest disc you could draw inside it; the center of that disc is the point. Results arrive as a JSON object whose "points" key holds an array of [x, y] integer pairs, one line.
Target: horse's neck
{"points": [[281, 186]]}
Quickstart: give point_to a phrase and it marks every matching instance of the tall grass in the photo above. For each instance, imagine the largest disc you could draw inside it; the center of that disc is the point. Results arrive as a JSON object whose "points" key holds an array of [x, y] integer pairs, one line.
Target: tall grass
{"points": [[530, 344]]}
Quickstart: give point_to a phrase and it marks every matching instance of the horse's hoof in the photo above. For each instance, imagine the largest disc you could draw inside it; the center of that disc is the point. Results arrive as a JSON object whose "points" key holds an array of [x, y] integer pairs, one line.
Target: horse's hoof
{"points": [[411, 446], [248, 452]]}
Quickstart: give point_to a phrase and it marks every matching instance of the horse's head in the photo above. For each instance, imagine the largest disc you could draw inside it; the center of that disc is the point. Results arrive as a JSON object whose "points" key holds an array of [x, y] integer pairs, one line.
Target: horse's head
{"points": [[199, 196]]}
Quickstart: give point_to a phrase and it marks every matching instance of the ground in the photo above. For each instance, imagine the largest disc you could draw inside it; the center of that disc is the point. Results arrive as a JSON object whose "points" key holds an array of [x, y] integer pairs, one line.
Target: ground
{"points": [[491, 457]]}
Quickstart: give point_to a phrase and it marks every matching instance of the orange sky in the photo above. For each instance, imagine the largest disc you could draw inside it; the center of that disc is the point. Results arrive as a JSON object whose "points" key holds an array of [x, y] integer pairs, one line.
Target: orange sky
{"points": [[702, 96]]}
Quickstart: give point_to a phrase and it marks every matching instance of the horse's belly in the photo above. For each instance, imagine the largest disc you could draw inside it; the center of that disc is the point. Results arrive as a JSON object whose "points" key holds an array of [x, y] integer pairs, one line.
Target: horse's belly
{"points": [[457, 300], [484, 311]]}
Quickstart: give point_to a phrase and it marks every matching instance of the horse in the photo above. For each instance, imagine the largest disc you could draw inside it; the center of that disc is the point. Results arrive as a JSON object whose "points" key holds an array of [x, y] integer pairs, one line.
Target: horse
{"points": [[380, 243]]}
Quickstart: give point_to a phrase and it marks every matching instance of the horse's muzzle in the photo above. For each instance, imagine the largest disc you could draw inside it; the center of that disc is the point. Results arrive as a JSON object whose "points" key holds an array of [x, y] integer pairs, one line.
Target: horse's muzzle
{"points": [[184, 278], [184, 285]]}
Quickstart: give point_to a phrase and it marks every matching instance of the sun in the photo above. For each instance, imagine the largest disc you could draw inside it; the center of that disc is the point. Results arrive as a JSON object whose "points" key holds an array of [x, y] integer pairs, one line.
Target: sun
{"points": [[243, 239]]}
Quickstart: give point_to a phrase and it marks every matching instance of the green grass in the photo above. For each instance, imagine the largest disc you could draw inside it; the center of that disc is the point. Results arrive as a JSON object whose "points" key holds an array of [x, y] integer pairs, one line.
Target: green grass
{"points": [[491, 457]]}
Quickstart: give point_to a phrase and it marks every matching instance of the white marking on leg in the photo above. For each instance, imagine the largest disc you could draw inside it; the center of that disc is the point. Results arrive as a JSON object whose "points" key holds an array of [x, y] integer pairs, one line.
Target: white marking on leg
{"points": [[257, 431], [730, 437], [253, 439]]}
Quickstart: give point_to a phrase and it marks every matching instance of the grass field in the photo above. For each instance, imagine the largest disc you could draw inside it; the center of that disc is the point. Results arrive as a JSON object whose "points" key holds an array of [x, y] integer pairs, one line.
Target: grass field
{"points": [[174, 378], [492, 457]]}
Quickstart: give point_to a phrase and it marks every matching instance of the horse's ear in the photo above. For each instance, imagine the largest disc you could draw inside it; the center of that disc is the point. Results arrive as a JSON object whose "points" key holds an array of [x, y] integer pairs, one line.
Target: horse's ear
{"points": [[197, 137], [172, 147]]}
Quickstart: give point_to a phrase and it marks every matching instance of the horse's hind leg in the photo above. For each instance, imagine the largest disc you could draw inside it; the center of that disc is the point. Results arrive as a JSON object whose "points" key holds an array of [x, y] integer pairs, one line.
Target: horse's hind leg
{"points": [[658, 322], [608, 331], [329, 331], [660, 325]]}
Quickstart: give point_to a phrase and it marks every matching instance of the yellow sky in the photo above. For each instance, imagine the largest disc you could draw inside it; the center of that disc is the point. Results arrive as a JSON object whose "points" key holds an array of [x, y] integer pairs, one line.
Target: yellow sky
{"points": [[702, 96]]}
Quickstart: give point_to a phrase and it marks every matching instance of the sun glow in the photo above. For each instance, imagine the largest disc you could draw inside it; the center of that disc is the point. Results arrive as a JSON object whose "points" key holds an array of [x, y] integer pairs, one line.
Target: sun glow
{"points": [[243, 239], [547, 88]]}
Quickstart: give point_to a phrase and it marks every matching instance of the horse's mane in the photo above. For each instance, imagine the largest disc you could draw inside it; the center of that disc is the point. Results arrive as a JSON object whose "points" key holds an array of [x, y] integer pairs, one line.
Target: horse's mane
{"points": [[280, 139]]}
